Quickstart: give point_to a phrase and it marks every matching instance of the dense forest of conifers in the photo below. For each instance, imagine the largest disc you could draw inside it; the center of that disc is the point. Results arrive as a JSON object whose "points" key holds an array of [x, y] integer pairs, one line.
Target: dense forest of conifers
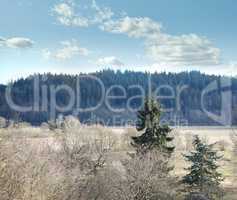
{"points": [[187, 111]]}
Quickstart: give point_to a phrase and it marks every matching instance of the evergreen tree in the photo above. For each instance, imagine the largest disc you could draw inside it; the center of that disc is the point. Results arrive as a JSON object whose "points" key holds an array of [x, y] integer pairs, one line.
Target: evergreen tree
{"points": [[90, 93], [155, 135], [203, 176]]}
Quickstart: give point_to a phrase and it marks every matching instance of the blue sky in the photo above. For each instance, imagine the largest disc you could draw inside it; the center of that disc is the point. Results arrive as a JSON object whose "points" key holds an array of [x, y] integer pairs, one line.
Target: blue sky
{"points": [[72, 36]]}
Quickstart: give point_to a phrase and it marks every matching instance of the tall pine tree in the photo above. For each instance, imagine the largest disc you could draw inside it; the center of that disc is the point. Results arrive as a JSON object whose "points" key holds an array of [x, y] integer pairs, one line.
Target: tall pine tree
{"points": [[154, 135], [203, 176]]}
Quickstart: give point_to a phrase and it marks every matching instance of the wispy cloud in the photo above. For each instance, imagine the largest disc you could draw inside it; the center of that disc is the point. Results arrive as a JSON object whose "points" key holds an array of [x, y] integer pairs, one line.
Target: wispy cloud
{"points": [[70, 14], [184, 50], [16, 42], [65, 15], [101, 14], [109, 61], [137, 27], [68, 50], [159, 46], [163, 48]]}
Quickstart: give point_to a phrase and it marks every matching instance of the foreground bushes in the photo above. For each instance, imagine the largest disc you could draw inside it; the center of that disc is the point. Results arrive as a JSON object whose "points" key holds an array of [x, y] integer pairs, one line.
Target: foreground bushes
{"points": [[74, 165], [82, 163]]}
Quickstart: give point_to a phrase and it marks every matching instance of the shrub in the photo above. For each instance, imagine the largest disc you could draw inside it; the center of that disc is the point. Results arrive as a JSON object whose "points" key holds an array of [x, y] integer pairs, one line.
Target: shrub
{"points": [[3, 122], [84, 164], [23, 172], [147, 177], [71, 122]]}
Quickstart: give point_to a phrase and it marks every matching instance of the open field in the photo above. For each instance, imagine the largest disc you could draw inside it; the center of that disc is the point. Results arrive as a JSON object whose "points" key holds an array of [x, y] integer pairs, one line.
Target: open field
{"points": [[44, 143]]}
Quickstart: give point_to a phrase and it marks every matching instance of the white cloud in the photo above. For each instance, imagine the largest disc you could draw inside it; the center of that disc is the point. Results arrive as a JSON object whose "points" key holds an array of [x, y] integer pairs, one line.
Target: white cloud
{"points": [[136, 27], [66, 16], [69, 14], [169, 50], [159, 46], [184, 50], [16, 42], [101, 13], [64, 10], [109, 61], [69, 50]]}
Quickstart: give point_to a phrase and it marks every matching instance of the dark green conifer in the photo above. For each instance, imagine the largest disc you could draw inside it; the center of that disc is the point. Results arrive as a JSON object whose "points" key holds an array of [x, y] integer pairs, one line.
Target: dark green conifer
{"points": [[203, 176], [154, 135]]}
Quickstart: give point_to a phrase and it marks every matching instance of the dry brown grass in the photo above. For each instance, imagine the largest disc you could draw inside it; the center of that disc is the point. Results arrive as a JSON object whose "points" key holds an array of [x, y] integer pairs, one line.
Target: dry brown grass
{"points": [[74, 162]]}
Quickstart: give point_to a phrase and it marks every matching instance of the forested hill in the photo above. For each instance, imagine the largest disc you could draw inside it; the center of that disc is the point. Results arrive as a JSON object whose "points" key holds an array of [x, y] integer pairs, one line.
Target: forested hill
{"points": [[183, 108]]}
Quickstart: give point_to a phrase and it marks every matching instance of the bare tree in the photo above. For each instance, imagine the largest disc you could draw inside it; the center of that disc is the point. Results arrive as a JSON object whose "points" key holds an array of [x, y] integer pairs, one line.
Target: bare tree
{"points": [[23, 172], [79, 164], [147, 177]]}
